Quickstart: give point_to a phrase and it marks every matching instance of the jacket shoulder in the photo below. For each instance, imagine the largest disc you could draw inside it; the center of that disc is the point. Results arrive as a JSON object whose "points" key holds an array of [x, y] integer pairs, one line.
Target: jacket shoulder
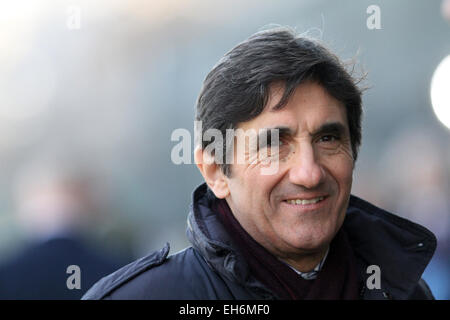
{"points": [[112, 282], [422, 292]]}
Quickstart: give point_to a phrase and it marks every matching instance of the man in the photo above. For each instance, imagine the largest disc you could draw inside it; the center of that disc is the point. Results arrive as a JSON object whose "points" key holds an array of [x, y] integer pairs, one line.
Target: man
{"points": [[54, 204], [294, 232]]}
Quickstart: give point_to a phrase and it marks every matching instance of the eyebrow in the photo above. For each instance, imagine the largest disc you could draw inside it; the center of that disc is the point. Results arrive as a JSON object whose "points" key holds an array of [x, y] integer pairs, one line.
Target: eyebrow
{"points": [[330, 127], [283, 131]]}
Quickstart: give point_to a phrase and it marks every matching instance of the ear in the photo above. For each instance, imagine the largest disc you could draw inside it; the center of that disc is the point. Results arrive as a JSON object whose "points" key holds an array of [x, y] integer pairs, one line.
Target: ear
{"points": [[211, 172]]}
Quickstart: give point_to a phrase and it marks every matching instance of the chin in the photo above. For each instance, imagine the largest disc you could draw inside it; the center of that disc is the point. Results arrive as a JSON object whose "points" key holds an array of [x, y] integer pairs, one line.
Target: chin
{"points": [[314, 242], [312, 246]]}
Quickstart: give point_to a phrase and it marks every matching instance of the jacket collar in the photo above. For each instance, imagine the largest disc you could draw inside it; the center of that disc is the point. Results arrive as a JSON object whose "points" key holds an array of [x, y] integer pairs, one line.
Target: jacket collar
{"points": [[207, 234], [400, 248]]}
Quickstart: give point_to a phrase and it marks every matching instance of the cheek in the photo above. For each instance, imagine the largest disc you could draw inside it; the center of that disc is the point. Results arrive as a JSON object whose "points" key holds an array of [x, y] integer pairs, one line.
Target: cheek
{"points": [[343, 175], [340, 167], [346, 173], [256, 190]]}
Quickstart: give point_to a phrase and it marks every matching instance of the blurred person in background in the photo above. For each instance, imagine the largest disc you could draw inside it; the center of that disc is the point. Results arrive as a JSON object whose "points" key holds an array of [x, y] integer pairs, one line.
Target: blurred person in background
{"points": [[446, 9], [296, 233], [55, 205], [418, 189]]}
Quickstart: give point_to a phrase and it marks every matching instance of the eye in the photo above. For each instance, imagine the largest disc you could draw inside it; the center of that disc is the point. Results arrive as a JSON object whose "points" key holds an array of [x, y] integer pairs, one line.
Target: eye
{"points": [[329, 138], [278, 143], [276, 149]]}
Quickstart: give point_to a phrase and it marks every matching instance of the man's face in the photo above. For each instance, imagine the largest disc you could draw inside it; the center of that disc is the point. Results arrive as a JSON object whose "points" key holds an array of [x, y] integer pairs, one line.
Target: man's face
{"points": [[315, 164]]}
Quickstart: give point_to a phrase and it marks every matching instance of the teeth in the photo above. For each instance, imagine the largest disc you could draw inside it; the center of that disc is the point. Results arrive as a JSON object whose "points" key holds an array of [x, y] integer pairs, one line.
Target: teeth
{"points": [[303, 202]]}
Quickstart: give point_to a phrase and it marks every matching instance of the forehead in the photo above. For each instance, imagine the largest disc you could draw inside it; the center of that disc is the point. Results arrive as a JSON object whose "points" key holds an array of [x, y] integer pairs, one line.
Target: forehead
{"points": [[309, 107]]}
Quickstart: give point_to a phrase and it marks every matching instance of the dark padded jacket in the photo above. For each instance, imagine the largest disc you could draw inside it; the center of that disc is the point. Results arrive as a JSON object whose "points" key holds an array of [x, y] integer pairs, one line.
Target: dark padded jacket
{"points": [[213, 269]]}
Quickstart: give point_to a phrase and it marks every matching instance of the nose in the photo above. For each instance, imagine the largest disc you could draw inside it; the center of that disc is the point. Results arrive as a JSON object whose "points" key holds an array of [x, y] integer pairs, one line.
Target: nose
{"points": [[305, 170]]}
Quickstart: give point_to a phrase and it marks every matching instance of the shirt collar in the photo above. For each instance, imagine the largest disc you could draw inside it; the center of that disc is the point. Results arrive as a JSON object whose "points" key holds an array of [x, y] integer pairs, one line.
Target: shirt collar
{"points": [[311, 275]]}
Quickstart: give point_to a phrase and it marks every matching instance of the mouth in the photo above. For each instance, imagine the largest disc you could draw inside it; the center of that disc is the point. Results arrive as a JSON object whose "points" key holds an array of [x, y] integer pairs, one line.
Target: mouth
{"points": [[305, 201], [311, 203]]}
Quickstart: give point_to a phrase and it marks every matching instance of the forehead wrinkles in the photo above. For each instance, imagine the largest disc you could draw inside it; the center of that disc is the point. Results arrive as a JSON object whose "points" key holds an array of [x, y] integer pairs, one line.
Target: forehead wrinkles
{"points": [[307, 109], [299, 120], [312, 106], [321, 115]]}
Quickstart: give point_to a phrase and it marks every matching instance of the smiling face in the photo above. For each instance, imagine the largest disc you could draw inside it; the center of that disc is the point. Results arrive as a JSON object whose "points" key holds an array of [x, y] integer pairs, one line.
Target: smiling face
{"points": [[298, 209]]}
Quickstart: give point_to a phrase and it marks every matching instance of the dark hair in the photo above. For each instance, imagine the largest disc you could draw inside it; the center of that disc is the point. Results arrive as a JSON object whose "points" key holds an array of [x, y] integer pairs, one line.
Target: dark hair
{"points": [[237, 89]]}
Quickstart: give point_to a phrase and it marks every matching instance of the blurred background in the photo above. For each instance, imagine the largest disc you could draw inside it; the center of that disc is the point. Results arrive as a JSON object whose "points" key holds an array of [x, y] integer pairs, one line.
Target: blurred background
{"points": [[91, 91]]}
